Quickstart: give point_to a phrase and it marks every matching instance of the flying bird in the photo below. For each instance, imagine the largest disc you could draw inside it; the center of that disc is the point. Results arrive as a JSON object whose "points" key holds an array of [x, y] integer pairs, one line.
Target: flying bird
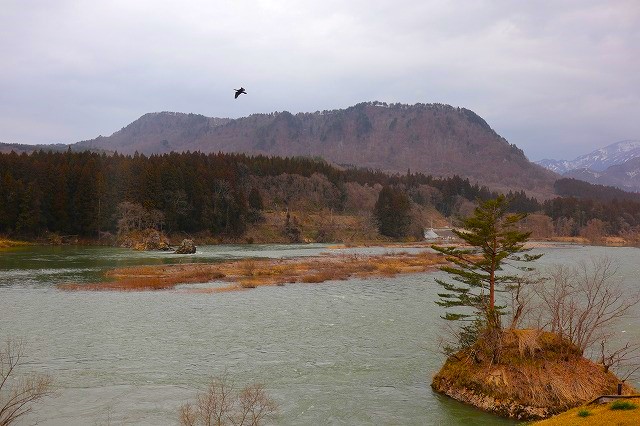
{"points": [[240, 91]]}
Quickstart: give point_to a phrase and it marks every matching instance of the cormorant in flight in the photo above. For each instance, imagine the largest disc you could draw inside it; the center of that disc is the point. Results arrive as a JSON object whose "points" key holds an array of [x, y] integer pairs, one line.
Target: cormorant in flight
{"points": [[239, 92]]}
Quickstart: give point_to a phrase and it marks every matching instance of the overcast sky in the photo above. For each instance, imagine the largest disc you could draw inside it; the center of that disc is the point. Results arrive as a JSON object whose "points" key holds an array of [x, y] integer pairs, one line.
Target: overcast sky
{"points": [[557, 78]]}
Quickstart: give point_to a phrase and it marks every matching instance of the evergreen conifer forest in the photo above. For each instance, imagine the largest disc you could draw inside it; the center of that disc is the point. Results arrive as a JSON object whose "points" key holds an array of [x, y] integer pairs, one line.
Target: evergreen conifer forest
{"points": [[86, 193]]}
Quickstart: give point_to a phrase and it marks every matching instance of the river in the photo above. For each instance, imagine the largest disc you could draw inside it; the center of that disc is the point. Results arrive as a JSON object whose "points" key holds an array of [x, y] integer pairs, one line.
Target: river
{"points": [[347, 352]]}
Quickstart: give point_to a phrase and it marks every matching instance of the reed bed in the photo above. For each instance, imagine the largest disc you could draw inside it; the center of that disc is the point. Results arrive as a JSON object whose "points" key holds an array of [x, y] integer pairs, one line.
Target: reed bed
{"points": [[251, 273]]}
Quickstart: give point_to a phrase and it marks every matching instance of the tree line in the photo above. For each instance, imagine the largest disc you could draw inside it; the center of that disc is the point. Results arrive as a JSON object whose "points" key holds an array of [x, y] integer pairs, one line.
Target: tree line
{"points": [[86, 193]]}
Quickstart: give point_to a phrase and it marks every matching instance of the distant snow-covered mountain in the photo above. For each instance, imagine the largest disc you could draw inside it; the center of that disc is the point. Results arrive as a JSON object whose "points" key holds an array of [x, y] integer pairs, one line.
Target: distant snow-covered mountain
{"points": [[596, 161], [616, 165], [625, 176]]}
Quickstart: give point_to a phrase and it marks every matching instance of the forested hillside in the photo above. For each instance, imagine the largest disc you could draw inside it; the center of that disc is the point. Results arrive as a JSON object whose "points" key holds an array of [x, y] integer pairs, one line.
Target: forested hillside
{"points": [[90, 194], [434, 139]]}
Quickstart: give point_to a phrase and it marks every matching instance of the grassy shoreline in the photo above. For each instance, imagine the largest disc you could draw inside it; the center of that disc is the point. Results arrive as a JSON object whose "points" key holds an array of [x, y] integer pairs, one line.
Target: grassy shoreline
{"points": [[338, 243], [596, 414], [9, 243]]}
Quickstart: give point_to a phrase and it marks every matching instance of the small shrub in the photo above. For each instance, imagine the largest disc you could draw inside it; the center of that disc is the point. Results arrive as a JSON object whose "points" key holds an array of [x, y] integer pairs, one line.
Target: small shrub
{"points": [[221, 404], [623, 405], [248, 268], [314, 278], [389, 270], [19, 394], [248, 284], [584, 413]]}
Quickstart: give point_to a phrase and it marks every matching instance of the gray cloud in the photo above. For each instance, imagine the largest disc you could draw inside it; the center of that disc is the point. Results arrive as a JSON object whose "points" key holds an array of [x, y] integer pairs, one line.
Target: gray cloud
{"points": [[557, 78]]}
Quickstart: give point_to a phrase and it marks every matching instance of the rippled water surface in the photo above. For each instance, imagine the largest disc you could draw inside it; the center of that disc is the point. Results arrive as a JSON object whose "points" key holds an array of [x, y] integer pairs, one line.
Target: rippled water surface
{"points": [[347, 352]]}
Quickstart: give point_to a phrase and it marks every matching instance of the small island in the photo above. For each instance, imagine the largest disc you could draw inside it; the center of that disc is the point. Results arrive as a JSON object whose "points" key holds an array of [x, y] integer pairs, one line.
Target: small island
{"points": [[525, 374], [250, 273], [537, 374]]}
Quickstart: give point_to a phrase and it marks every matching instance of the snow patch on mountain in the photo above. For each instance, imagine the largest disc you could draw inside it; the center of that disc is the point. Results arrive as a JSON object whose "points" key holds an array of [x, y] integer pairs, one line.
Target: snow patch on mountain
{"points": [[598, 160]]}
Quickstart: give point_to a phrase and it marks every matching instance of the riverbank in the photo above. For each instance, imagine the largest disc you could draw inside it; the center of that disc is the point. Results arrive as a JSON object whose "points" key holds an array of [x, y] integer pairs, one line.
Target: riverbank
{"points": [[250, 273], [340, 230], [8, 243], [616, 413]]}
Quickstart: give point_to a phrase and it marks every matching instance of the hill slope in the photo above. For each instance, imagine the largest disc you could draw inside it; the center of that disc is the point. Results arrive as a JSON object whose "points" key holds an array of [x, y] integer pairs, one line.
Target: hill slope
{"points": [[625, 176], [431, 138], [19, 148]]}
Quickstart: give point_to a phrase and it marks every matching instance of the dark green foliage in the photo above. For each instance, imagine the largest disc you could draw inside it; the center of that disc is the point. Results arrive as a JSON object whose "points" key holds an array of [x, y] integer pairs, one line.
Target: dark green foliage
{"points": [[392, 212], [584, 413], [363, 124], [477, 271], [292, 229], [29, 221], [618, 214], [623, 405], [475, 118], [569, 187], [581, 202], [78, 193], [255, 206]]}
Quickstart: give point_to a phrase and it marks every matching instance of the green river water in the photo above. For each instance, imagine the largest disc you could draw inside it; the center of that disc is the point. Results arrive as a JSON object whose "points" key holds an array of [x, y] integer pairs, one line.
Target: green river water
{"points": [[347, 352]]}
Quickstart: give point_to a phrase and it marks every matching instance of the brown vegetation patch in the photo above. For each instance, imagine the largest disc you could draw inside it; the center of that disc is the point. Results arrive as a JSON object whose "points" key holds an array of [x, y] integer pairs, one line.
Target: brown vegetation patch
{"points": [[251, 273], [596, 414], [538, 374], [7, 243]]}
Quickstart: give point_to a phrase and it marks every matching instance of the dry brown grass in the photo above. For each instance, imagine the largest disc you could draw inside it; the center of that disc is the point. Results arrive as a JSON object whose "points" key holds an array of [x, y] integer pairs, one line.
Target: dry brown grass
{"points": [[536, 369], [596, 414], [149, 278], [7, 243], [251, 273], [527, 341]]}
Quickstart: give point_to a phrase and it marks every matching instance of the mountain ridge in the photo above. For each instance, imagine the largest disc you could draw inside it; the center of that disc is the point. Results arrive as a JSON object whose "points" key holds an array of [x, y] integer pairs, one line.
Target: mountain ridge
{"points": [[617, 165], [435, 139], [598, 160]]}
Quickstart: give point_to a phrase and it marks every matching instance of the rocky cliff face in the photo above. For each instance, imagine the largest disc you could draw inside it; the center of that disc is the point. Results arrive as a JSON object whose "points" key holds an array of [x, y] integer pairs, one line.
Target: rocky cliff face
{"points": [[504, 407], [433, 139]]}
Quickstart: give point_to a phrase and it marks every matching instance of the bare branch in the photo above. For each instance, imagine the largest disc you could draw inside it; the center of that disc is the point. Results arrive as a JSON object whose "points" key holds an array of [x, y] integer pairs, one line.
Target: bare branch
{"points": [[583, 303], [221, 405], [18, 393]]}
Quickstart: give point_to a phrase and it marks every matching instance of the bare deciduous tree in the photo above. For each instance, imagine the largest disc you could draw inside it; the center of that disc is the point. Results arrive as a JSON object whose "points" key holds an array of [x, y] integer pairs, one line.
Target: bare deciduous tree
{"points": [[594, 231], [254, 405], [582, 303], [221, 405], [540, 225], [625, 360], [521, 294], [134, 217], [18, 392]]}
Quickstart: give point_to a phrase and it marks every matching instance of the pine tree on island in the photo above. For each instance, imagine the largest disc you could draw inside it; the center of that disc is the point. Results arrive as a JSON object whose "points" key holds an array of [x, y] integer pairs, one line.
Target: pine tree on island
{"points": [[478, 270]]}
